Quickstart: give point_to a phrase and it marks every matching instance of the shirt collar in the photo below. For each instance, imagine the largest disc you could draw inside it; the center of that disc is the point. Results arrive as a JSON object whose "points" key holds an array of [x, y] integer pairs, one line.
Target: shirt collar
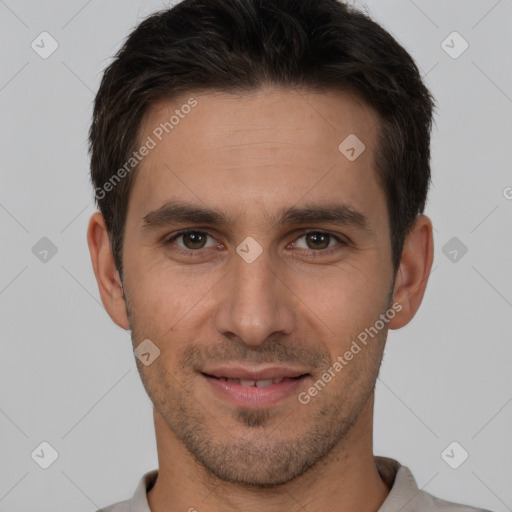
{"points": [[139, 501], [397, 477]]}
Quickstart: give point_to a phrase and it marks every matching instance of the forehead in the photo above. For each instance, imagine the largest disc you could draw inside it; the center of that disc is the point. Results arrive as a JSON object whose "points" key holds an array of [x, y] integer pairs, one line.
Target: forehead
{"points": [[260, 149]]}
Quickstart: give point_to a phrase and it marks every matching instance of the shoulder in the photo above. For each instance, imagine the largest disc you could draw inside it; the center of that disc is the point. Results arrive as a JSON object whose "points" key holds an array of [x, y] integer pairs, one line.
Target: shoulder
{"points": [[407, 497], [138, 502], [427, 502], [122, 506]]}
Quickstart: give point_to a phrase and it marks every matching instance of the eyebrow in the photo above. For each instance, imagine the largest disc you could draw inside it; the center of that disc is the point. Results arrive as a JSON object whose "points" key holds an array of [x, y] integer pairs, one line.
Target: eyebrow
{"points": [[174, 212]]}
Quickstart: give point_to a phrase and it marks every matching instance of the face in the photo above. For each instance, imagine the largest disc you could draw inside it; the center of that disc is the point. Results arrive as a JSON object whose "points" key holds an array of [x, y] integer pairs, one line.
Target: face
{"points": [[285, 261]]}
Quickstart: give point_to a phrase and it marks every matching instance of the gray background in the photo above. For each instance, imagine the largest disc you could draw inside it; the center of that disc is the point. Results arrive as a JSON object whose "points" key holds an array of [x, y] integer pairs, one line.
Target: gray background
{"points": [[67, 373]]}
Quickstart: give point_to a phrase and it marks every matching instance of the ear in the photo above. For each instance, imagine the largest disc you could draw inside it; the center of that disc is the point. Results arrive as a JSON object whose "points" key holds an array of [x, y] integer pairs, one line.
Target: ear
{"points": [[414, 271], [107, 276]]}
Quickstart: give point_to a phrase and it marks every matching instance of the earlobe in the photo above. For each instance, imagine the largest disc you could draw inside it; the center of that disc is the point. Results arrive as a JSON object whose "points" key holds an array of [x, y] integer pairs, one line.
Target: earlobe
{"points": [[413, 273], [105, 271]]}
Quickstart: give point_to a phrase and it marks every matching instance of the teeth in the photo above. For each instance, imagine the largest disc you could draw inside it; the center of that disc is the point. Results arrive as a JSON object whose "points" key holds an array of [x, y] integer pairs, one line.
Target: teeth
{"points": [[256, 383], [264, 383]]}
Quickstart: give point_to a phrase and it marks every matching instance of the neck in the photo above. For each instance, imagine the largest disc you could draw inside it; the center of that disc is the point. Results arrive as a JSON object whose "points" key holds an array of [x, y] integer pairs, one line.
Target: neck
{"points": [[344, 481]]}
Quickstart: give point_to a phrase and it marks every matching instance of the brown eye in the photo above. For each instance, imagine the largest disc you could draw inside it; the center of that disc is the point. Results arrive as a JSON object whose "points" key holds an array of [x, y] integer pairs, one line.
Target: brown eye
{"points": [[318, 240], [194, 240], [191, 240]]}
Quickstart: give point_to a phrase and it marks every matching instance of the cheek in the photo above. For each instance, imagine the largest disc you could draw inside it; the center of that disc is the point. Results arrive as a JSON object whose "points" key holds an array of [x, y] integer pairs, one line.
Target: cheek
{"points": [[344, 294], [165, 303], [338, 307]]}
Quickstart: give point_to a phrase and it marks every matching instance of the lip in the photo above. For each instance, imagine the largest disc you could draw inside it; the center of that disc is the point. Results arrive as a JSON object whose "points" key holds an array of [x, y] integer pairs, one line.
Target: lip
{"points": [[251, 396], [259, 373]]}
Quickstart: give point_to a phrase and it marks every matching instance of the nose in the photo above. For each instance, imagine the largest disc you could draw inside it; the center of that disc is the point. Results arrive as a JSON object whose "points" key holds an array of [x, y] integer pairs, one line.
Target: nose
{"points": [[255, 302]]}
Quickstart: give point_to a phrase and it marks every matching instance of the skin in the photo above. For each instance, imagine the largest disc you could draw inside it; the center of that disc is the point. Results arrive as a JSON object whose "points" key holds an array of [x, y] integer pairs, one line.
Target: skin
{"points": [[251, 155]]}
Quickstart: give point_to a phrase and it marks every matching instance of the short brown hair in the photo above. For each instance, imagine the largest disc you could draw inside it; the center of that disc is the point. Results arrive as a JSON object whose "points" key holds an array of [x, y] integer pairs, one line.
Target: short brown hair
{"points": [[242, 45]]}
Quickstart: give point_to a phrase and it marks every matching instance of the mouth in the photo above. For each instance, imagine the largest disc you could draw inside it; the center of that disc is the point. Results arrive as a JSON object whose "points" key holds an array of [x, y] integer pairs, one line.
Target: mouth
{"points": [[259, 383], [254, 388]]}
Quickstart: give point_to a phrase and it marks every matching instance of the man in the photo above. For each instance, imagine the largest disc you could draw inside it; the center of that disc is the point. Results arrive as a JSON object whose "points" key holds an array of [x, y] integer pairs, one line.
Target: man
{"points": [[261, 169]]}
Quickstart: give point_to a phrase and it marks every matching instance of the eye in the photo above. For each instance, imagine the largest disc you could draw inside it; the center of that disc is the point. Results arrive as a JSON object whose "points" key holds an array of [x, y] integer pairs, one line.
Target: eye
{"points": [[191, 240], [318, 241]]}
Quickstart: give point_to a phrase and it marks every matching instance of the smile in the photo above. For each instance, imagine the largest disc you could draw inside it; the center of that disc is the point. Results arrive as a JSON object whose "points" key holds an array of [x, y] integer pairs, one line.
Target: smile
{"points": [[253, 392]]}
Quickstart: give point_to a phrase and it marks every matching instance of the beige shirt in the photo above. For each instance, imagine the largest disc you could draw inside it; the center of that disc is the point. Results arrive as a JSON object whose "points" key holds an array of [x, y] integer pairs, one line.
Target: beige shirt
{"points": [[403, 497]]}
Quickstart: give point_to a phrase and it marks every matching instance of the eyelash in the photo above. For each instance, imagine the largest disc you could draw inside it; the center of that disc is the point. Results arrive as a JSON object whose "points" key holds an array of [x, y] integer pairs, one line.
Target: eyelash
{"points": [[317, 253]]}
